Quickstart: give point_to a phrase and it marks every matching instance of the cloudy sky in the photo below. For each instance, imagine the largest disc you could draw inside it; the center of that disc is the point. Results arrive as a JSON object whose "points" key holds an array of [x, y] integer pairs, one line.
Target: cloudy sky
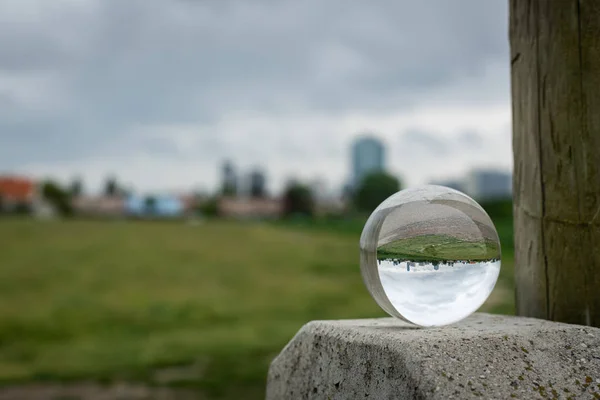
{"points": [[161, 92]]}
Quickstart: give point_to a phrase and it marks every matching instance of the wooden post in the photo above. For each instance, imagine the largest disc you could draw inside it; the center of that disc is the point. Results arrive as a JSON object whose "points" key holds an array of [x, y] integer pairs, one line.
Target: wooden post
{"points": [[555, 57]]}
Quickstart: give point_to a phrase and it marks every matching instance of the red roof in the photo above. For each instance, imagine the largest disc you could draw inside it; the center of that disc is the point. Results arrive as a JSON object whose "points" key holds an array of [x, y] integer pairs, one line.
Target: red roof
{"points": [[16, 189]]}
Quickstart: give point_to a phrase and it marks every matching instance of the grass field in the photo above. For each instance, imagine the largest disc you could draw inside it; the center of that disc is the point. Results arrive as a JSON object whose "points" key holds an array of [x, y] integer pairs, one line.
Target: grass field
{"points": [[438, 248], [169, 304]]}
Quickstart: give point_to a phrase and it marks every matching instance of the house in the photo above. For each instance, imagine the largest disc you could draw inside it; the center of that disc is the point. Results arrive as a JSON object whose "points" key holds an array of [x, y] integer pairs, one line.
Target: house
{"points": [[23, 195], [249, 208], [163, 206], [191, 202], [43, 210], [17, 192], [99, 206], [330, 206]]}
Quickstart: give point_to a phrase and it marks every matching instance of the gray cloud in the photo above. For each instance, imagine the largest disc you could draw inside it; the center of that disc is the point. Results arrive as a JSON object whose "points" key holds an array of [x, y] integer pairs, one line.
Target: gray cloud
{"points": [[427, 144], [420, 141], [110, 66], [471, 139]]}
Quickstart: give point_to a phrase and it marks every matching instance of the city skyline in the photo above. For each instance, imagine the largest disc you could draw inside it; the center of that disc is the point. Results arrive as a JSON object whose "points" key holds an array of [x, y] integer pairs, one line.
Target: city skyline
{"points": [[110, 94], [236, 181]]}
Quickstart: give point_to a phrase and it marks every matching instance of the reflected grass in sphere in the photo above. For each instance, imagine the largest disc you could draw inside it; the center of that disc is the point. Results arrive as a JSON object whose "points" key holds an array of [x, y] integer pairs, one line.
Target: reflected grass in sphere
{"points": [[430, 255]]}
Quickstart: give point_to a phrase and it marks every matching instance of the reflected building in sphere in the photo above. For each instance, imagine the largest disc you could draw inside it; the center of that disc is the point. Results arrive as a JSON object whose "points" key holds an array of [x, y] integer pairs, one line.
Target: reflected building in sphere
{"points": [[368, 156]]}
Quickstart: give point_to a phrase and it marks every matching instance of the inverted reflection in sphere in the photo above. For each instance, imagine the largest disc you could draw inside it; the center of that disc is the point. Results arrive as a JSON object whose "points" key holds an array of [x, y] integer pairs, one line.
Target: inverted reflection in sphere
{"points": [[430, 255]]}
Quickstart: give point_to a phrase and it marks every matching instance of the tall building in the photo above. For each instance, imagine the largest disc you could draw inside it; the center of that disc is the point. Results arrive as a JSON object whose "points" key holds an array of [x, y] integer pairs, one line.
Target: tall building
{"points": [[230, 180], [368, 155], [488, 184], [258, 183]]}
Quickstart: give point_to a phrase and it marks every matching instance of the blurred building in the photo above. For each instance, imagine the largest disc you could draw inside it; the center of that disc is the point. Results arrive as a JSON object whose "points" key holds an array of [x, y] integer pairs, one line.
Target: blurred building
{"points": [[230, 180], [368, 156], [163, 206], [133, 205], [16, 191], [191, 202], [249, 208], [326, 201], [455, 184], [331, 206], [23, 195], [99, 206], [257, 182], [486, 184]]}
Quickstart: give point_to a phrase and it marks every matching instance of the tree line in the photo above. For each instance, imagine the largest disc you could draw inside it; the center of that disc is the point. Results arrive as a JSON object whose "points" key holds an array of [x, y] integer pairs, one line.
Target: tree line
{"points": [[298, 198], [374, 188]]}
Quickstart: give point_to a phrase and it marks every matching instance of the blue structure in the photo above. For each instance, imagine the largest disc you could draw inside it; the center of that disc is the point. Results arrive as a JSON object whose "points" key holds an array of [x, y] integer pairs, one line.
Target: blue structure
{"points": [[166, 206], [487, 184], [368, 156]]}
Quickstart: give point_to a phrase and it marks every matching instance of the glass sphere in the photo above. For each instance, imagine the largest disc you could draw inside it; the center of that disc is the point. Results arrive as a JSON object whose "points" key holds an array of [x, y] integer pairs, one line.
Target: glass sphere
{"points": [[430, 255]]}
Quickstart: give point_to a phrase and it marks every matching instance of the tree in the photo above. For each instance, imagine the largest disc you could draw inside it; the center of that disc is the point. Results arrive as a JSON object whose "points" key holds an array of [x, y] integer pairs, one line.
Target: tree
{"points": [[150, 205], [57, 196], [298, 199], [76, 188], [229, 189], [111, 187], [257, 184], [22, 208], [375, 188], [210, 208], [229, 185]]}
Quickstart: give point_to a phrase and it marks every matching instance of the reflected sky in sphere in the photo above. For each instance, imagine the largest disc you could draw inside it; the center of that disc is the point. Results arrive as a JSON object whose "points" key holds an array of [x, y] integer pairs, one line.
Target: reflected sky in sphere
{"points": [[429, 297]]}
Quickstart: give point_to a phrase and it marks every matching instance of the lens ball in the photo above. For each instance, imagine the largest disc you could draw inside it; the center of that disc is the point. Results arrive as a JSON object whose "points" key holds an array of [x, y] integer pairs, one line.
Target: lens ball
{"points": [[430, 255]]}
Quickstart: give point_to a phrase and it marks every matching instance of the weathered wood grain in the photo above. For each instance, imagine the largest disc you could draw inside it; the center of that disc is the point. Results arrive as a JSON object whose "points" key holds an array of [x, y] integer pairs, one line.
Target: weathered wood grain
{"points": [[555, 52]]}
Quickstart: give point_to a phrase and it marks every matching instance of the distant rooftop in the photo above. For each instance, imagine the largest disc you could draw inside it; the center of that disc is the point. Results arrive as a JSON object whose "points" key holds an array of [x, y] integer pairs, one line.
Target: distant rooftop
{"points": [[17, 188]]}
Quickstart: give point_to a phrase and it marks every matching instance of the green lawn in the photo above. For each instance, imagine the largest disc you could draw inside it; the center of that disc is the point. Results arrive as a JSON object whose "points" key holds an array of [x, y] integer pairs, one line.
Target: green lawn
{"points": [[120, 301]]}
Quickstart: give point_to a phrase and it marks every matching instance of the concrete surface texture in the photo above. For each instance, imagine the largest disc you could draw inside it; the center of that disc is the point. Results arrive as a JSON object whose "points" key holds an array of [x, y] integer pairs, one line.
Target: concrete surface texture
{"points": [[485, 356]]}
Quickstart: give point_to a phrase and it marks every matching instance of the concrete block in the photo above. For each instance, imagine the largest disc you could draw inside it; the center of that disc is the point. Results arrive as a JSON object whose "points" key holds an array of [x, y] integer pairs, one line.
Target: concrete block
{"points": [[485, 356]]}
